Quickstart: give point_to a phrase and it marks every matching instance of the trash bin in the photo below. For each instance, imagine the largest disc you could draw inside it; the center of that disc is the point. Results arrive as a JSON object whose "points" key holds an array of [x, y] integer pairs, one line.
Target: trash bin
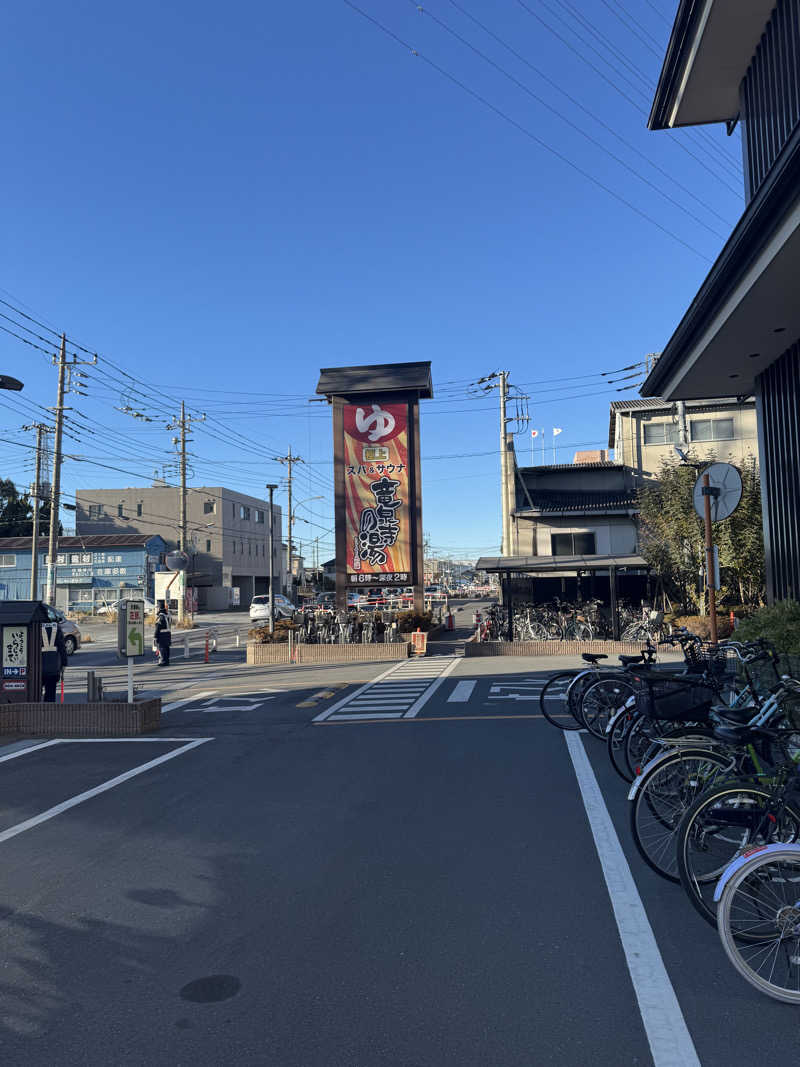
{"points": [[21, 630]]}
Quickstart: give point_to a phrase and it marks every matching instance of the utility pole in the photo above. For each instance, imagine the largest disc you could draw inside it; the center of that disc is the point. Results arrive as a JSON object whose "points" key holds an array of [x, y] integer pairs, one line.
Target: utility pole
{"points": [[289, 460], [272, 489], [183, 423], [41, 430], [52, 547]]}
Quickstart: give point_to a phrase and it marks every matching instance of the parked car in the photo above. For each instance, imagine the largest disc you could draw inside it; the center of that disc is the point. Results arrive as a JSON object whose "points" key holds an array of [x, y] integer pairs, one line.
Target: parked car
{"points": [[259, 607], [109, 609], [72, 635]]}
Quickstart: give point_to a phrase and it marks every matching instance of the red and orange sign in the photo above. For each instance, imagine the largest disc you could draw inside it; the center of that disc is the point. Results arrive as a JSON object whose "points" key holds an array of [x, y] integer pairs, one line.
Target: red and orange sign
{"points": [[377, 488]]}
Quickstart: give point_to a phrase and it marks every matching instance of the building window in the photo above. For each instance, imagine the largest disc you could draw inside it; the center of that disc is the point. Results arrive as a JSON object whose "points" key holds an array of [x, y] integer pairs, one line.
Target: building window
{"points": [[84, 594], [712, 429], [259, 515], [209, 507], [244, 513], [572, 544], [8, 560], [95, 511], [660, 433], [139, 510], [249, 548], [208, 545], [233, 508]]}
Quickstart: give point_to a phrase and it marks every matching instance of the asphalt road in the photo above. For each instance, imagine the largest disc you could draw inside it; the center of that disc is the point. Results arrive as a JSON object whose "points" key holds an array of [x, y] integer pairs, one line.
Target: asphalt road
{"points": [[319, 885]]}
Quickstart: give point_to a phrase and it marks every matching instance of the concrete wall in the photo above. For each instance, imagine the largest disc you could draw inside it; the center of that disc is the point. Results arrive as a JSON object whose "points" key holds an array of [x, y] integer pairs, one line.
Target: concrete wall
{"points": [[613, 534], [629, 446]]}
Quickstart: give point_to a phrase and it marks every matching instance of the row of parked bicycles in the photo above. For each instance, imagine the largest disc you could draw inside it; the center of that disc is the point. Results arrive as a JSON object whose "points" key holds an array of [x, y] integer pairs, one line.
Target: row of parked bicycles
{"points": [[710, 749], [325, 627], [560, 621]]}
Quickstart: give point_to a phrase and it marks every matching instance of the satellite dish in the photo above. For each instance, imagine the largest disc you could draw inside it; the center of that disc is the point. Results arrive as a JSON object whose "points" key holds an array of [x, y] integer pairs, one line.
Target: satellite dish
{"points": [[177, 561], [726, 478]]}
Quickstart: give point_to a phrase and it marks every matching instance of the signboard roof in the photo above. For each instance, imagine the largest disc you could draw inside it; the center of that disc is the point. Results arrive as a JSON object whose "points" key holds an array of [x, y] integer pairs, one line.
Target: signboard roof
{"points": [[377, 378]]}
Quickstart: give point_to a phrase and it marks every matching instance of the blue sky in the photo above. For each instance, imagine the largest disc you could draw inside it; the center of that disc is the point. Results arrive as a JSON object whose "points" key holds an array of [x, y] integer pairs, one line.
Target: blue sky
{"points": [[223, 199]]}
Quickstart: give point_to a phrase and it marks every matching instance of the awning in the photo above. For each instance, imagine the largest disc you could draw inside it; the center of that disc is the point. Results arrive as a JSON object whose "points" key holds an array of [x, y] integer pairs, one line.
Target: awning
{"points": [[545, 564]]}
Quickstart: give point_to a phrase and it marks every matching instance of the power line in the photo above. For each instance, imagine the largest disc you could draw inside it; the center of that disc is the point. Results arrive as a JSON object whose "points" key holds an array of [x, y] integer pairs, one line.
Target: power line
{"points": [[524, 130]]}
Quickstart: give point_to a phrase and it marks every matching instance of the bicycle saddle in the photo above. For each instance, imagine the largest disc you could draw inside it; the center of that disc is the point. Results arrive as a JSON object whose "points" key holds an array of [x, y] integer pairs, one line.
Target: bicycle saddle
{"points": [[626, 661], [734, 716], [741, 735], [593, 657]]}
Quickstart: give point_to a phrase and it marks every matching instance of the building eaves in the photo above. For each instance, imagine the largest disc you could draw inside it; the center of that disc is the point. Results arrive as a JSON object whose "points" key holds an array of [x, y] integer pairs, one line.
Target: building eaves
{"points": [[752, 233], [548, 501], [604, 464], [89, 541]]}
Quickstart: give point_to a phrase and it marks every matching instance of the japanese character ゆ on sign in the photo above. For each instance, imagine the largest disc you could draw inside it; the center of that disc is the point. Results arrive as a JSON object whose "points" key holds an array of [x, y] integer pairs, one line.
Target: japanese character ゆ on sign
{"points": [[377, 488]]}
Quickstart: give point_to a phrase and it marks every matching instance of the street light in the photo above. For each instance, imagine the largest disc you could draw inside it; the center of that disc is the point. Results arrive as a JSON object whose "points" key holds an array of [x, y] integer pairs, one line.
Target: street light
{"points": [[7, 382]]}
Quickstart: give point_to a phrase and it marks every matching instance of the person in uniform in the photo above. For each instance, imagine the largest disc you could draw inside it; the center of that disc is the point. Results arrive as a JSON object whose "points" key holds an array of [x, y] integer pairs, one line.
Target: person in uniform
{"points": [[163, 634], [54, 659]]}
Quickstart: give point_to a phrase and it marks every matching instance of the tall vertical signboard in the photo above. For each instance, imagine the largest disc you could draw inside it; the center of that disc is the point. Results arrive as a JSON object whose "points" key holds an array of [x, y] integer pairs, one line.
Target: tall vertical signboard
{"points": [[378, 497], [377, 494]]}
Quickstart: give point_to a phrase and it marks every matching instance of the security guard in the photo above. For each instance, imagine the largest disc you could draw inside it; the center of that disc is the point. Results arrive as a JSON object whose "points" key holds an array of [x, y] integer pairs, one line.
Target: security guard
{"points": [[54, 658], [163, 634]]}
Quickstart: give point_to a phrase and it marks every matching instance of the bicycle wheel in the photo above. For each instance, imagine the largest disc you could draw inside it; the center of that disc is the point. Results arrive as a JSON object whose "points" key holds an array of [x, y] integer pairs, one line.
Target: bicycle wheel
{"points": [[553, 701], [721, 825], [663, 796], [584, 678], [601, 701], [758, 919], [615, 740]]}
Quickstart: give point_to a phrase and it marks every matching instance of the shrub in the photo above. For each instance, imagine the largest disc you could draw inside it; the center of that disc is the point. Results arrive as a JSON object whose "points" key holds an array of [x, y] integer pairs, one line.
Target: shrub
{"points": [[408, 621], [779, 624], [260, 635], [701, 625]]}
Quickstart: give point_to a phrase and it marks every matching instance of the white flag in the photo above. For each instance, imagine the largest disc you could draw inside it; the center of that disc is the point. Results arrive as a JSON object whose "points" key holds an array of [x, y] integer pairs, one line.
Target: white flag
{"points": [[557, 430]]}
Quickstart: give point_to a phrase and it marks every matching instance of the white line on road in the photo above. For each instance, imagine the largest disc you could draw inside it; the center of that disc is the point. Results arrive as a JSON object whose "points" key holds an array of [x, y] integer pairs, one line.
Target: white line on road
{"points": [[423, 700], [26, 749], [189, 700], [346, 700], [36, 820], [670, 1041], [462, 692]]}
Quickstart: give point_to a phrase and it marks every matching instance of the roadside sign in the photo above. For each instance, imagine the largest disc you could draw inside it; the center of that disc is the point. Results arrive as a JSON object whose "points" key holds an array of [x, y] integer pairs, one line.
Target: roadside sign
{"points": [[419, 643], [130, 628]]}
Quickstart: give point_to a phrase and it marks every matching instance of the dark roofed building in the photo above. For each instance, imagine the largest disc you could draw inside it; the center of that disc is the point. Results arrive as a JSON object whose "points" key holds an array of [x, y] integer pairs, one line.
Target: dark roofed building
{"points": [[740, 62]]}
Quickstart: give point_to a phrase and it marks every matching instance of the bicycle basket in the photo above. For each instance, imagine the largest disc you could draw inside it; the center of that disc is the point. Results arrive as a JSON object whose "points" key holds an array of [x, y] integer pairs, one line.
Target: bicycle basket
{"points": [[671, 698]]}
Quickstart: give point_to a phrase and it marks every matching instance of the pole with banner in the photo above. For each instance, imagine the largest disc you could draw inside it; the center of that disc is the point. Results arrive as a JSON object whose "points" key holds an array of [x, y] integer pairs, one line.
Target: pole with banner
{"points": [[534, 435], [377, 486], [556, 431]]}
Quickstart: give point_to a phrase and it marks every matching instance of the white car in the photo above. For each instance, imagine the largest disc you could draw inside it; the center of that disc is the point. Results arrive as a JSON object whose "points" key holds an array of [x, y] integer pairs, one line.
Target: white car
{"points": [[259, 607], [108, 609]]}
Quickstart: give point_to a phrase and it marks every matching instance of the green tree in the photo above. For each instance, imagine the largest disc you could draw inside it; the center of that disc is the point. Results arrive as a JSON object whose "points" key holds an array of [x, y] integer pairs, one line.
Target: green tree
{"points": [[15, 511], [672, 539]]}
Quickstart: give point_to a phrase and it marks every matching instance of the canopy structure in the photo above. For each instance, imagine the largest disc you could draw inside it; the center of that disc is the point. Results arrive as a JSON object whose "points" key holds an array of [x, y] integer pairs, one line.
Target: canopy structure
{"points": [[506, 566]]}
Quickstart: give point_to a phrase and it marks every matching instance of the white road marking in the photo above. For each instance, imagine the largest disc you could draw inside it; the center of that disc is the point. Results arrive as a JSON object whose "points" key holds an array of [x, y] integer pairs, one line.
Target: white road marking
{"points": [[189, 700], [417, 706], [346, 700], [65, 805], [671, 1044], [372, 715], [23, 751], [462, 692]]}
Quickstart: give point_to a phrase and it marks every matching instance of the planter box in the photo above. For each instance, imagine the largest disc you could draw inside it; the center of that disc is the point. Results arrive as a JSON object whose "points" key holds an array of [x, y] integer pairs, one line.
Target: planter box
{"points": [[264, 655], [551, 648], [109, 719]]}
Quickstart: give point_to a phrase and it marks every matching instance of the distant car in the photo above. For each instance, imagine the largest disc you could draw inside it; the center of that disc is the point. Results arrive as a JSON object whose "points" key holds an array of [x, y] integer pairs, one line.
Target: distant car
{"points": [[110, 609], [325, 600], [259, 607], [72, 635]]}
